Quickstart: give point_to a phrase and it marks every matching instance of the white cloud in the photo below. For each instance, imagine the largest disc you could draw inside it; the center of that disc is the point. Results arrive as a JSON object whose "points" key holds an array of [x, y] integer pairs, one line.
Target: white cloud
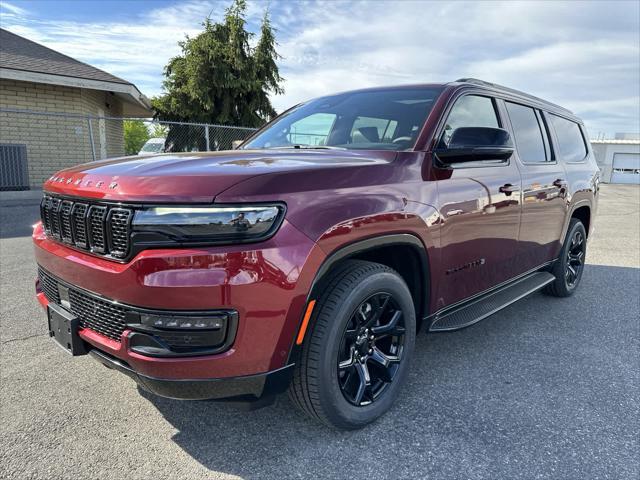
{"points": [[10, 9], [582, 55]]}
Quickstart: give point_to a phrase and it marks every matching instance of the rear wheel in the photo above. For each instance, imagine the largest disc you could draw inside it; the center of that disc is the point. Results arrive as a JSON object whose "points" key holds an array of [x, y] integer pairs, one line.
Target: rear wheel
{"points": [[356, 355], [570, 265]]}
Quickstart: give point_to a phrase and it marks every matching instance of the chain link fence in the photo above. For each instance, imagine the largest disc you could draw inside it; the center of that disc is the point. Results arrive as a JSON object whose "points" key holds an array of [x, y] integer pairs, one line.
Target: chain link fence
{"points": [[34, 145]]}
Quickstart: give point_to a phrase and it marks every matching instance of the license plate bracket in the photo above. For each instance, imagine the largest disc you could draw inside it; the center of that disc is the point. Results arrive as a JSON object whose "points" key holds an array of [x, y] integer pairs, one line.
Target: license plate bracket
{"points": [[63, 328]]}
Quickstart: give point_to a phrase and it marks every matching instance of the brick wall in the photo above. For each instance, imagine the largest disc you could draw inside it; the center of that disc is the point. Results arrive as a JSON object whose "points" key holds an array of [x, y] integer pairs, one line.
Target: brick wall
{"points": [[55, 142]]}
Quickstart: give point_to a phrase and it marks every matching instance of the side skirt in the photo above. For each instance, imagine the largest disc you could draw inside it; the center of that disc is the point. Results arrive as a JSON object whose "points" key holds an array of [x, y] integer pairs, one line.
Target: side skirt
{"points": [[480, 307]]}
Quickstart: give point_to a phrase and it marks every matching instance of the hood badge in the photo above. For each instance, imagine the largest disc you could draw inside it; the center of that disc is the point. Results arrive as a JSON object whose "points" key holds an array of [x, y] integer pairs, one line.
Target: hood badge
{"points": [[87, 183]]}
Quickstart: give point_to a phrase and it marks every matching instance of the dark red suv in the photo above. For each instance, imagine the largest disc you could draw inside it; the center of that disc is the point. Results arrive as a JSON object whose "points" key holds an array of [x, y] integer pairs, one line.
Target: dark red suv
{"points": [[310, 257]]}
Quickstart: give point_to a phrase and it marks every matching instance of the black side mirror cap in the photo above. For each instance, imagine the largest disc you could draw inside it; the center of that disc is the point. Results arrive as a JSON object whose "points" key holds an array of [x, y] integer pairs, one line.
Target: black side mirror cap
{"points": [[469, 144]]}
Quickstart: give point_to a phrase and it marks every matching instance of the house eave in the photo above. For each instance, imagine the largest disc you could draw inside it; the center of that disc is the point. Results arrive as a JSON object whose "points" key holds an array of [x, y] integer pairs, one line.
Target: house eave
{"points": [[135, 104]]}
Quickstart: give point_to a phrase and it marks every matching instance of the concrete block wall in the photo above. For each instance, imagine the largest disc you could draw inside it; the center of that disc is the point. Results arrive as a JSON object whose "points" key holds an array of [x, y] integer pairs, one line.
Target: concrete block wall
{"points": [[58, 142]]}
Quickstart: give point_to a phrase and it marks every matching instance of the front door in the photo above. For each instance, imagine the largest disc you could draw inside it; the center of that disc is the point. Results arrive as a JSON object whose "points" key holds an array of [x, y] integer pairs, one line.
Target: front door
{"points": [[480, 207]]}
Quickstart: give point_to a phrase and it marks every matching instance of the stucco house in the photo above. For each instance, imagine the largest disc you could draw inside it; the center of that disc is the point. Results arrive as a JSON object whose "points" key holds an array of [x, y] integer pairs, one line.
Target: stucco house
{"points": [[46, 101]]}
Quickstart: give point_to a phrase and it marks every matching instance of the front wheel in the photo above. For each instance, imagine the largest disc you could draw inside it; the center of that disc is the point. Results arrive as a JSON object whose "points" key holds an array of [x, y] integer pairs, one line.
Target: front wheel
{"points": [[570, 264], [356, 355]]}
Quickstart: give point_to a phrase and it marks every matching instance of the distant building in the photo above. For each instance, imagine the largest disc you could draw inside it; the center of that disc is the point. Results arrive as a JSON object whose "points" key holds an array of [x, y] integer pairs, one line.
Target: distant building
{"points": [[619, 159], [627, 136], [59, 92]]}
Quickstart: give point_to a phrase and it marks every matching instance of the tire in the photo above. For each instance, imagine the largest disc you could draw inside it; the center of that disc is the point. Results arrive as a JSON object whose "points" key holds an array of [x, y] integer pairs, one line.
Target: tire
{"points": [[337, 355], [569, 267]]}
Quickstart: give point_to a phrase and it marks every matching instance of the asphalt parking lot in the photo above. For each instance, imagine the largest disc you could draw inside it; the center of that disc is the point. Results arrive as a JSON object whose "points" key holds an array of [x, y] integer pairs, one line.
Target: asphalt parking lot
{"points": [[547, 388]]}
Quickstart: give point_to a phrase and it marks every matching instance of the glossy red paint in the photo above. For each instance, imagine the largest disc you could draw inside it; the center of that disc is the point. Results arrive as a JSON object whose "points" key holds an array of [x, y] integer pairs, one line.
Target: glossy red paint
{"points": [[334, 199], [261, 284], [191, 177]]}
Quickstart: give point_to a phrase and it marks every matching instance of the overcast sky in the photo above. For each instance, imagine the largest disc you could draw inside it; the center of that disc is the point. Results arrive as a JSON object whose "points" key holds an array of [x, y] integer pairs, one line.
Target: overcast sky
{"points": [[582, 55]]}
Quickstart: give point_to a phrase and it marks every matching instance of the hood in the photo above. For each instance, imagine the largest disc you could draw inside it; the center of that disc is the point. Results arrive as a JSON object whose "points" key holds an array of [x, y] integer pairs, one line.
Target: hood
{"points": [[195, 177]]}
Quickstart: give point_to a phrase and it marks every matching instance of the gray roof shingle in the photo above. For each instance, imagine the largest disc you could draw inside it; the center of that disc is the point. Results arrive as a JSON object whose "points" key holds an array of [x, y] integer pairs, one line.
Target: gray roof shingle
{"points": [[18, 53]]}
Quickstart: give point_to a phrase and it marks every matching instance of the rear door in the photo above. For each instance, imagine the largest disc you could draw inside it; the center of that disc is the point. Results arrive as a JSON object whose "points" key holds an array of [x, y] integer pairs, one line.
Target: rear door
{"points": [[480, 206], [544, 187]]}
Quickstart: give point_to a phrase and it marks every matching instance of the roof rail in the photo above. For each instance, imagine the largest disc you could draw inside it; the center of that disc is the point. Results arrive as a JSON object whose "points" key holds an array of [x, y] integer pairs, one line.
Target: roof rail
{"points": [[477, 81]]}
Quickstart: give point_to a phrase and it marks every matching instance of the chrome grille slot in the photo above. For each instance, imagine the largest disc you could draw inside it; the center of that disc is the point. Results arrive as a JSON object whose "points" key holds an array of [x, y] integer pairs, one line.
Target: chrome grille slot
{"points": [[95, 225], [54, 216], [119, 221], [45, 215], [79, 224], [65, 221]]}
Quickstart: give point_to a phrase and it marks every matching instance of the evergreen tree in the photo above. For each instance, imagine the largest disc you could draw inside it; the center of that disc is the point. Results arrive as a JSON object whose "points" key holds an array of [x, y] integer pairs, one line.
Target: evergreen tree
{"points": [[219, 78]]}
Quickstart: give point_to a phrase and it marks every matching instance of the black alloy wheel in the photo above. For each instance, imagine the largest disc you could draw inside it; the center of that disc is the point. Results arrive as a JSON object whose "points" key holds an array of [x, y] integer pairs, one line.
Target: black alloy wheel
{"points": [[575, 259], [357, 349], [569, 266], [371, 349]]}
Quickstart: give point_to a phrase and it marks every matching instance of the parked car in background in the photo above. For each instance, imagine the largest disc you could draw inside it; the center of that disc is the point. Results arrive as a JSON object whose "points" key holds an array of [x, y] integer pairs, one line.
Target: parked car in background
{"points": [[153, 146], [308, 259]]}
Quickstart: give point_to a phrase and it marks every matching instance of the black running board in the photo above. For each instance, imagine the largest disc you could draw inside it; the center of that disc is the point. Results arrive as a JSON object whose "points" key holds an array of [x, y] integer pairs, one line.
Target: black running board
{"points": [[488, 304]]}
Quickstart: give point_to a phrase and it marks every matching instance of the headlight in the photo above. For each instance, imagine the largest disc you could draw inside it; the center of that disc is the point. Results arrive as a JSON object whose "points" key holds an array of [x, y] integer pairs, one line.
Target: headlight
{"points": [[206, 225]]}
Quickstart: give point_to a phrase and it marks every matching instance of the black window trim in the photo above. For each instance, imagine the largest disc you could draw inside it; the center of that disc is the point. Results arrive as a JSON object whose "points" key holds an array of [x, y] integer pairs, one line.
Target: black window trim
{"points": [[442, 122], [549, 149], [557, 141]]}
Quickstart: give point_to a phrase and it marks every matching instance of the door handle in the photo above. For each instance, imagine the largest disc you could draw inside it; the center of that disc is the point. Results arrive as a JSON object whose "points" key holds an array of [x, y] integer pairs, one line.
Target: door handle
{"points": [[560, 183], [508, 189]]}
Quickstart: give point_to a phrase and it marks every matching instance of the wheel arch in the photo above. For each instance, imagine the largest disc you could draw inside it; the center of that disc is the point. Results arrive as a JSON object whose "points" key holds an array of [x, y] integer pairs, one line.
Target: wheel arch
{"points": [[581, 210], [401, 252], [370, 249]]}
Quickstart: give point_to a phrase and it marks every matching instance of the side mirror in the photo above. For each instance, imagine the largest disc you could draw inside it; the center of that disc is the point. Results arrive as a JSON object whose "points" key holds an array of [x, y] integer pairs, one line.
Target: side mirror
{"points": [[235, 144], [469, 144]]}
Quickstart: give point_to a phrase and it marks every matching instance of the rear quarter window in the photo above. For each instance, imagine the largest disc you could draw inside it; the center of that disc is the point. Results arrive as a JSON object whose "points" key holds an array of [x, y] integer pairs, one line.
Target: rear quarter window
{"points": [[571, 144]]}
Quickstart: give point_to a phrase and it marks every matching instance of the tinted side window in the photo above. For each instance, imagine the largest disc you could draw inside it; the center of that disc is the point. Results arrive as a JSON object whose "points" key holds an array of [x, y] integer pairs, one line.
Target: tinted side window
{"points": [[470, 111], [527, 132], [570, 140]]}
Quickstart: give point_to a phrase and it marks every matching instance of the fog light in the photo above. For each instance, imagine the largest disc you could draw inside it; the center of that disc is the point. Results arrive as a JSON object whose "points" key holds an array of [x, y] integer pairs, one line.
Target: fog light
{"points": [[182, 322]]}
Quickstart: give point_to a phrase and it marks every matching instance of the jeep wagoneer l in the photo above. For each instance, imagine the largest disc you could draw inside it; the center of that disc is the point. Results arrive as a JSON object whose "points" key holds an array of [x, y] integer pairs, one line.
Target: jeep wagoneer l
{"points": [[309, 258]]}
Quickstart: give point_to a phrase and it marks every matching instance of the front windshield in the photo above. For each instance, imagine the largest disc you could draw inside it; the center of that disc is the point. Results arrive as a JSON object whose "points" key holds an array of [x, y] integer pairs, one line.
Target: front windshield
{"points": [[385, 119]]}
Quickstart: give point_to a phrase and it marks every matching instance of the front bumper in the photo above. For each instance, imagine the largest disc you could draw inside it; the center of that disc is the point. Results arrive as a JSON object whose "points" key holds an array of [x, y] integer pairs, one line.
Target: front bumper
{"points": [[266, 284], [248, 388]]}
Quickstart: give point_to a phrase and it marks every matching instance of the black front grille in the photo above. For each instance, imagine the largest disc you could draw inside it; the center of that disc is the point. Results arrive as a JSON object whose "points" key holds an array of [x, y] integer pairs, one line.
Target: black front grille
{"points": [[54, 208], [49, 286], [65, 221], [78, 224], [98, 228], [118, 224], [110, 319], [101, 316], [98, 315]]}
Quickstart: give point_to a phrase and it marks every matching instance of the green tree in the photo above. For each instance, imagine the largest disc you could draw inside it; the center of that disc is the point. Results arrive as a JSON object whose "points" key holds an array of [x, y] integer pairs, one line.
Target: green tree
{"points": [[219, 78], [135, 136], [159, 131]]}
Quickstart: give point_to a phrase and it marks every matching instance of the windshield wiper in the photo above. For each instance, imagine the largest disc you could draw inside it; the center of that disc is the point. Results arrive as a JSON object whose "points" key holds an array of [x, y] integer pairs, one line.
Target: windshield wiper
{"points": [[305, 147]]}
